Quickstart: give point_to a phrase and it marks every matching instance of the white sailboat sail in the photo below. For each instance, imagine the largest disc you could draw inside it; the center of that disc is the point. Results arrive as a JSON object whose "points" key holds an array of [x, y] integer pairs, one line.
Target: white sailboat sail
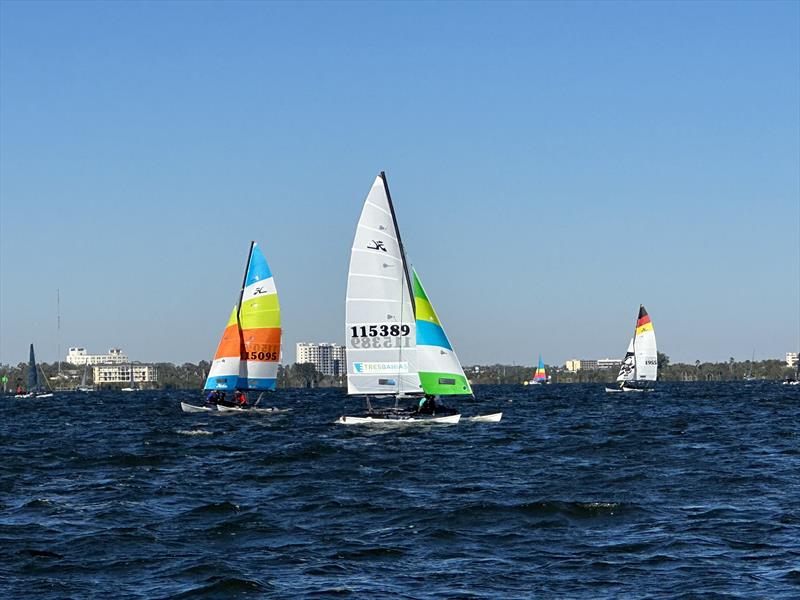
{"points": [[641, 359], [645, 348], [380, 325], [627, 370]]}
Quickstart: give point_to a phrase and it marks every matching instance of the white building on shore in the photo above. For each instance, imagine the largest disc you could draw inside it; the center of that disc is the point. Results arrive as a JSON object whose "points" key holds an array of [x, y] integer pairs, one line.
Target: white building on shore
{"points": [[78, 356], [329, 359], [119, 374], [792, 359], [575, 365]]}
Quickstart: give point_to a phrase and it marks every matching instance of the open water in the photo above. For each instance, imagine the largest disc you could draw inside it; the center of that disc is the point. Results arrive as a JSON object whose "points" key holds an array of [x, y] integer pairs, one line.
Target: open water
{"points": [[690, 492]]}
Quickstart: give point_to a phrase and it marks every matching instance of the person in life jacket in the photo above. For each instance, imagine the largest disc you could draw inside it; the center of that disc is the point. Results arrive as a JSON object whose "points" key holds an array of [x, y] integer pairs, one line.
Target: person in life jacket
{"points": [[427, 405], [20, 390], [239, 398]]}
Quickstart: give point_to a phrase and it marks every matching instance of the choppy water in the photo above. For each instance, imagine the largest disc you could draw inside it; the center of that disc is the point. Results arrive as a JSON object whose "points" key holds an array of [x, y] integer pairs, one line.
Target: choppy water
{"points": [[690, 492]]}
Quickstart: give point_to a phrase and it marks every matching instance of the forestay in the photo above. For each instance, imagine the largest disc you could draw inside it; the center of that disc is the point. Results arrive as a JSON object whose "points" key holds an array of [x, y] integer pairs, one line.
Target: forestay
{"points": [[380, 326], [440, 371]]}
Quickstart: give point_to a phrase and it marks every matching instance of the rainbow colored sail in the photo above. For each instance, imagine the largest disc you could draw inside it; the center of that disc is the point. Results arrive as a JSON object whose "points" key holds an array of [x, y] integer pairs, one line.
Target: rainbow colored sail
{"points": [[540, 374], [440, 371], [248, 353]]}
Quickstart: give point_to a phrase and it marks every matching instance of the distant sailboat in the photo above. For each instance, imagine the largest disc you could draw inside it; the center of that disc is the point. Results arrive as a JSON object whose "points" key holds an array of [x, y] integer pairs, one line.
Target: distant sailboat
{"points": [[84, 385], [35, 387], [132, 385], [639, 368], [248, 353], [749, 375], [539, 376]]}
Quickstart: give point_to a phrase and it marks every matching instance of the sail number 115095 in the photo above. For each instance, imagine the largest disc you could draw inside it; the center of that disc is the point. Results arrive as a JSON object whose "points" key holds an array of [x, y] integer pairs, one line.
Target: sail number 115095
{"points": [[380, 330]]}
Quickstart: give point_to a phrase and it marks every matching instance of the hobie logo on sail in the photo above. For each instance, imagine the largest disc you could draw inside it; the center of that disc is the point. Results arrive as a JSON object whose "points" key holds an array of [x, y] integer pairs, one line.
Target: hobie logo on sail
{"points": [[378, 246], [380, 368]]}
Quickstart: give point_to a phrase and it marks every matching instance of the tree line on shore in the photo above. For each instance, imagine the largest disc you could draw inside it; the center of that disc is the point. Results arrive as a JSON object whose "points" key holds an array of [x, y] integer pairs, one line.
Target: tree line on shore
{"points": [[305, 375]]}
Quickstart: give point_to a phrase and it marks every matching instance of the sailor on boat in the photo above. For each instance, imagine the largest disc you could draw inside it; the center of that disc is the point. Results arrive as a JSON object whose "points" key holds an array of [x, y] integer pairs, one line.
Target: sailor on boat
{"points": [[427, 405], [239, 399], [218, 397]]}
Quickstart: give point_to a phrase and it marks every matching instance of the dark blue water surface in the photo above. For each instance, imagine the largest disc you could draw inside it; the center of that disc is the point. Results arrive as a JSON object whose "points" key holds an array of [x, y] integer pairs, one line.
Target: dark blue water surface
{"points": [[693, 491]]}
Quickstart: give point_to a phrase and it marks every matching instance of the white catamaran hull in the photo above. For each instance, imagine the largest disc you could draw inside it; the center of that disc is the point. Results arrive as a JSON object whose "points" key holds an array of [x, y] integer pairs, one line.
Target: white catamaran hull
{"points": [[493, 418], [399, 420], [237, 409], [191, 408]]}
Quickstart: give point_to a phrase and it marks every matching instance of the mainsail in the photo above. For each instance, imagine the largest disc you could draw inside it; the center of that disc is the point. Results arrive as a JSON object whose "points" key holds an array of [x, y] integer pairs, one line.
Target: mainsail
{"points": [[33, 375], [540, 375], [641, 359], [249, 350], [644, 345], [440, 372], [380, 322]]}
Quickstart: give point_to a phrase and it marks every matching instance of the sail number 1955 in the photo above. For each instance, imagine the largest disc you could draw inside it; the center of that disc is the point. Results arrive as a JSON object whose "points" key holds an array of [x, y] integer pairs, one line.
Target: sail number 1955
{"points": [[379, 330]]}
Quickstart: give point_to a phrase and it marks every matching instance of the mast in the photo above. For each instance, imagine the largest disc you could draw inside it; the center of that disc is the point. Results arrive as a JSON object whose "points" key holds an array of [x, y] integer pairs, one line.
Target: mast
{"points": [[399, 242], [244, 283], [58, 330], [407, 279]]}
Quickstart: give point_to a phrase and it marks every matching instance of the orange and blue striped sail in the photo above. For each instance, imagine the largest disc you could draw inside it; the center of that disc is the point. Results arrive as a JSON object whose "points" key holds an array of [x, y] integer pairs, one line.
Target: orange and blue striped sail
{"points": [[224, 372], [540, 374], [248, 353], [260, 322]]}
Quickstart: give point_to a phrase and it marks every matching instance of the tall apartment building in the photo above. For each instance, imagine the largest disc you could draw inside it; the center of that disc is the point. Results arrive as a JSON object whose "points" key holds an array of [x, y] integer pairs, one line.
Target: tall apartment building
{"points": [[792, 358], [329, 359], [78, 356]]}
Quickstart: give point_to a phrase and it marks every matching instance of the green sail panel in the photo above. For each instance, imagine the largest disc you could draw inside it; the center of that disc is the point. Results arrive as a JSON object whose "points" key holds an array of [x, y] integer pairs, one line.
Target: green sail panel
{"points": [[440, 371]]}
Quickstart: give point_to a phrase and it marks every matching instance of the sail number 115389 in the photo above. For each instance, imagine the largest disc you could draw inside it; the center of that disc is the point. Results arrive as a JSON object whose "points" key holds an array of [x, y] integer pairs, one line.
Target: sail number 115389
{"points": [[379, 330]]}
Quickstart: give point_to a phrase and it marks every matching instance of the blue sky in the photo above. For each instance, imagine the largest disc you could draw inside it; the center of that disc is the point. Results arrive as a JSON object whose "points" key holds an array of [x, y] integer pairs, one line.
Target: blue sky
{"points": [[553, 165]]}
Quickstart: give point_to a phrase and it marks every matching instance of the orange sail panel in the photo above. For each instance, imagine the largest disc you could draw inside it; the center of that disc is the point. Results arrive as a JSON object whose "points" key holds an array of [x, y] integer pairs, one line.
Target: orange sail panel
{"points": [[224, 372]]}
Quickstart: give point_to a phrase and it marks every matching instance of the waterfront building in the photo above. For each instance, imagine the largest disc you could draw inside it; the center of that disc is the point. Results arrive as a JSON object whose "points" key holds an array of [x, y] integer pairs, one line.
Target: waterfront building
{"points": [[119, 374], [329, 359], [609, 363], [78, 356], [583, 364], [792, 359]]}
